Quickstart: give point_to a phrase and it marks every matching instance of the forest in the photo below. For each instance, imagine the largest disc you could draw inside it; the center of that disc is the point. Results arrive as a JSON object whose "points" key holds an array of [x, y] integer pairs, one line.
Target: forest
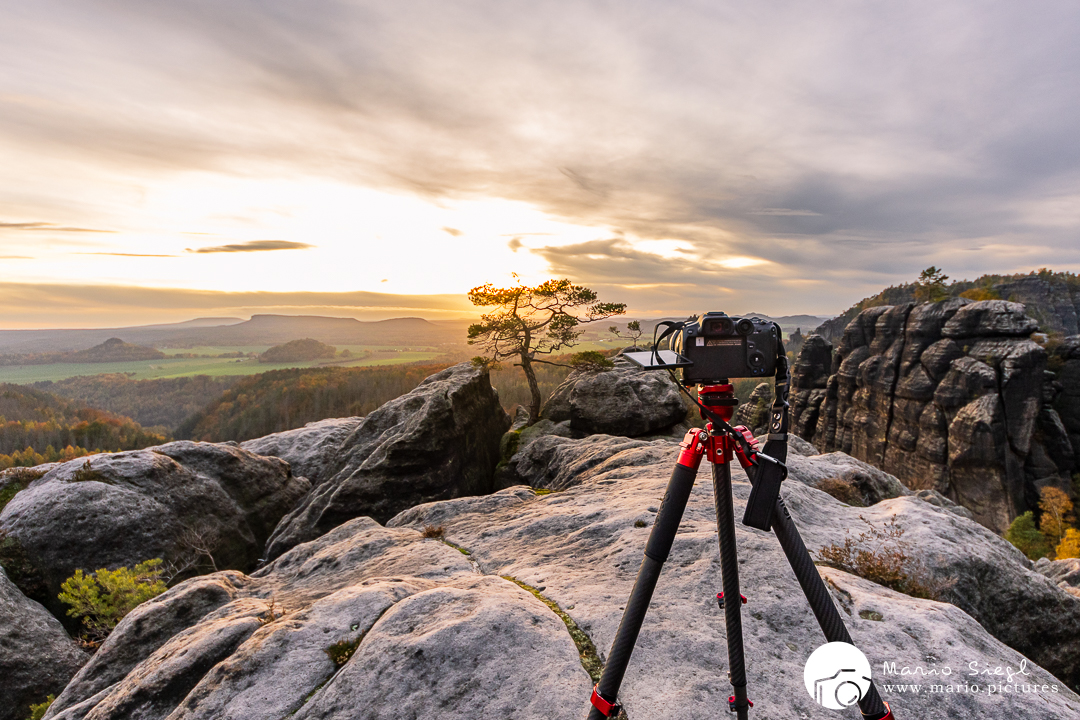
{"points": [[160, 404], [37, 427]]}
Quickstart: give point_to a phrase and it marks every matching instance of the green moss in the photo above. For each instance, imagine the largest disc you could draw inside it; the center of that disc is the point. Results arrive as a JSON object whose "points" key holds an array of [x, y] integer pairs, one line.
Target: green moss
{"points": [[457, 547], [590, 660], [8, 492], [543, 491]]}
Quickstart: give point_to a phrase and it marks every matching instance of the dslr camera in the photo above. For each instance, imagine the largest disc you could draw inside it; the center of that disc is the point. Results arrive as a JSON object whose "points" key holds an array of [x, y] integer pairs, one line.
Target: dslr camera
{"points": [[718, 347]]}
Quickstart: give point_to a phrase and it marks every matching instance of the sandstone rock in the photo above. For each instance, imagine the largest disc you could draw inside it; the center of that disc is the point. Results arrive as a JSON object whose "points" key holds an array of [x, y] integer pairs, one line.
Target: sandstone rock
{"points": [[37, 658], [584, 547], [1067, 402], [117, 510], [439, 441], [947, 396], [624, 401], [431, 632], [754, 413], [990, 318], [312, 451], [1065, 573]]}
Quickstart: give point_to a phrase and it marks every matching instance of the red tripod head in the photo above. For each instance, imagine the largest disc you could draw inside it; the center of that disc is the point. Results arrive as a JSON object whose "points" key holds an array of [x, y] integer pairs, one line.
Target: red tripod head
{"points": [[720, 399]]}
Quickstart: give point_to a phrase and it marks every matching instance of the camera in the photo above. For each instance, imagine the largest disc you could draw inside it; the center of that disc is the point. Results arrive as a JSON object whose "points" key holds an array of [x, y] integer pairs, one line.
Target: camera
{"points": [[718, 347]]}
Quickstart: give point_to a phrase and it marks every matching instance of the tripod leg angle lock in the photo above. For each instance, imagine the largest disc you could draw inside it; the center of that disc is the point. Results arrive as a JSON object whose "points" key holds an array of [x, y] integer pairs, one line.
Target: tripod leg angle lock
{"points": [[765, 510]]}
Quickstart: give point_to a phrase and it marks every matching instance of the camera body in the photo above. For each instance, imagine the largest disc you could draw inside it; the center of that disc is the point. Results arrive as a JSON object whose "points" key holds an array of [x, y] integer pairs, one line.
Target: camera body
{"points": [[722, 347]]}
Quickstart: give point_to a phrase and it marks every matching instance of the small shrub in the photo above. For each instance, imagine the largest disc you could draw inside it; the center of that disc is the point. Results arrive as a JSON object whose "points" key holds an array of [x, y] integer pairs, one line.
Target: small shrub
{"points": [[843, 490], [340, 652], [639, 523], [433, 531], [590, 361], [38, 711], [102, 599], [880, 555], [87, 474], [1023, 534]]}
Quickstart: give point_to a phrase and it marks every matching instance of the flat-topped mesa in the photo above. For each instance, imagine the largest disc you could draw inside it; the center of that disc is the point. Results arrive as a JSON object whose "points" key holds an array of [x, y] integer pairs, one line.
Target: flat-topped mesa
{"points": [[952, 396]]}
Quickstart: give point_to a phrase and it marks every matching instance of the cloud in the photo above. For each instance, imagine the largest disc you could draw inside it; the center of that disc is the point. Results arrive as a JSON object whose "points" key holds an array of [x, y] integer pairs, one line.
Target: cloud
{"points": [[453, 231], [254, 246], [118, 254], [15, 257], [852, 145], [49, 226]]}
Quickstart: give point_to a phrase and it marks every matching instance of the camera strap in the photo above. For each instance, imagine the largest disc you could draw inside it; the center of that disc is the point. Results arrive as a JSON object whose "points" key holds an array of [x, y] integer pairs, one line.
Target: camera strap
{"points": [[769, 474]]}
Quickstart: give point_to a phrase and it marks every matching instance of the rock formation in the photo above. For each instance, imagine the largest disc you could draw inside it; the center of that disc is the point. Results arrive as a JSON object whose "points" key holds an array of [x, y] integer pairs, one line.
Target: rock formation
{"points": [[382, 619], [1066, 391], [947, 396], [115, 510], [37, 658], [432, 632], [625, 400], [311, 451], [439, 441]]}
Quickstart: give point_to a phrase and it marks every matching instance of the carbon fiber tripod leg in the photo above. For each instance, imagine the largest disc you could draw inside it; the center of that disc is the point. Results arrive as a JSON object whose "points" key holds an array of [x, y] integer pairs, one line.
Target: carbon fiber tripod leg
{"points": [[656, 553], [817, 595], [729, 569]]}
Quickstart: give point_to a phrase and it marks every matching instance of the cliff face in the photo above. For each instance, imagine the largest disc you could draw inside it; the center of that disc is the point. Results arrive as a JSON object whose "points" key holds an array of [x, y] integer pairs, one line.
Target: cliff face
{"points": [[951, 396], [1052, 299]]}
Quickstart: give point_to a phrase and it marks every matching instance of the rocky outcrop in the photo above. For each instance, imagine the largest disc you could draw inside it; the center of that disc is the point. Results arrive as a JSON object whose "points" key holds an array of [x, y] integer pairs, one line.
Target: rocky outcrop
{"points": [[584, 545], [439, 441], [625, 401], [312, 451], [37, 658], [115, 510], [1066, 573], [398, 625], [364, 617], [945, 396]]}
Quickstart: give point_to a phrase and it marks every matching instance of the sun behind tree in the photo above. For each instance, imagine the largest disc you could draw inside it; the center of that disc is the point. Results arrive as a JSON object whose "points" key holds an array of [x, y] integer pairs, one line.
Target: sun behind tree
{"points": [[530, 321]]}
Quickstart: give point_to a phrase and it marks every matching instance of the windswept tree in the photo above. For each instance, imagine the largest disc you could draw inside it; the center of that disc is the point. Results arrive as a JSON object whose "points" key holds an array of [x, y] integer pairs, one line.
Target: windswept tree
{"points": [[930, 287], [528, 321]]}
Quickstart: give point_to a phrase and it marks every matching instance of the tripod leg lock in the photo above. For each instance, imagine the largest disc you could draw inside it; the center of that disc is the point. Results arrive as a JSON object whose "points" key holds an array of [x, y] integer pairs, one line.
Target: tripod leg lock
{"points": [[720, 599], [731, 703], [608, 708]]}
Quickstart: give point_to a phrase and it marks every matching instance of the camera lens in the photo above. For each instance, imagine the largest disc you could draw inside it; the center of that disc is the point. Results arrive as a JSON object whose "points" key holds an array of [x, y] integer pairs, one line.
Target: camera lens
{"points": [[756, 359], [745, 327]]}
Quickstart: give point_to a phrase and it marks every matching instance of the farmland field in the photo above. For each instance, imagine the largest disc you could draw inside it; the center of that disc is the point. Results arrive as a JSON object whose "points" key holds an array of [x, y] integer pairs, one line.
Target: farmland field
{"points": [[173, 367]]}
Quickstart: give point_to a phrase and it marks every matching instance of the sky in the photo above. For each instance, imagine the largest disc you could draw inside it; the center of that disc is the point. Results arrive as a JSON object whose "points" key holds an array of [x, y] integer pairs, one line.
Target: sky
{"points": [[170, 160]]}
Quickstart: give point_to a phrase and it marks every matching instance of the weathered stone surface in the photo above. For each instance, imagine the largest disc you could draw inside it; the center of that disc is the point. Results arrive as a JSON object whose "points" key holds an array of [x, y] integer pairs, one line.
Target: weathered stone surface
{"points": [[1067, 401], [37, 657], [1066, 573], [437, 442], [624, 401], [431, 631], [117, 510], [947, 396], [583, 546], [990, 318], [312, 451], [875, 485]]}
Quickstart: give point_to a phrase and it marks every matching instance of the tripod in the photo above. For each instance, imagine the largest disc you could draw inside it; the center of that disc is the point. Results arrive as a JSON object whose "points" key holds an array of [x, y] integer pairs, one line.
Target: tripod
{"points": [[765, 509]]}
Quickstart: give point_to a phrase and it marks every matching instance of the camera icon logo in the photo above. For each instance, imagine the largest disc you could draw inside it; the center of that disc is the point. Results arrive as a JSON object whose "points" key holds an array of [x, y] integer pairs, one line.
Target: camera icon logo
{"points": [[837, 675]]}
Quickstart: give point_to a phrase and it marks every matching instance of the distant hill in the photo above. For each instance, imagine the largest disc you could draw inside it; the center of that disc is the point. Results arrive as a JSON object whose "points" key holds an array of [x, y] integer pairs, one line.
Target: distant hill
{"points": [[1052, 298], [112, 350], [298, 351], [37, 426], [259, 330]]}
